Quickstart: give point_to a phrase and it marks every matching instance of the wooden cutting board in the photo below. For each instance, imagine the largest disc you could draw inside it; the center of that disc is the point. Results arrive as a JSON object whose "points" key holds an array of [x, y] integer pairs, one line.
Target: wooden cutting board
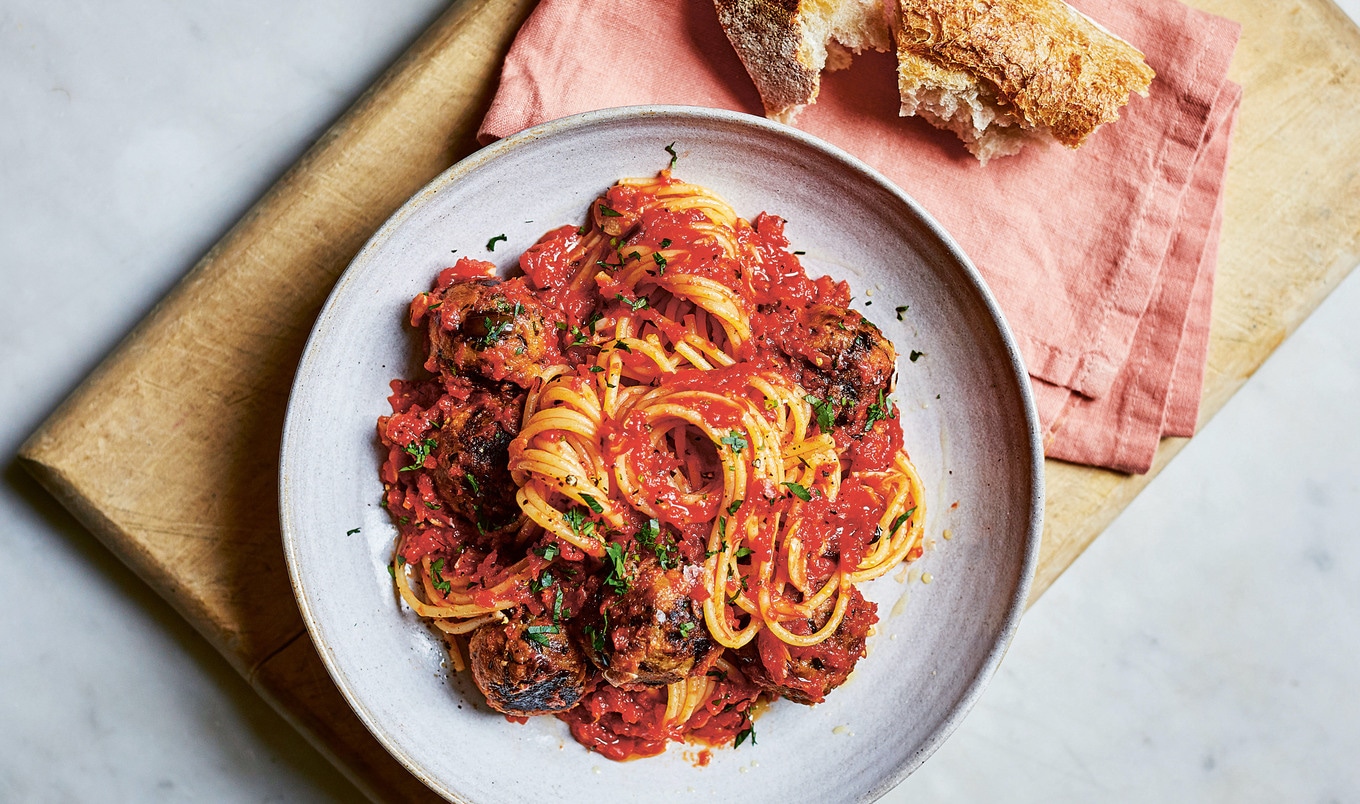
{"points": [[169, 451]]}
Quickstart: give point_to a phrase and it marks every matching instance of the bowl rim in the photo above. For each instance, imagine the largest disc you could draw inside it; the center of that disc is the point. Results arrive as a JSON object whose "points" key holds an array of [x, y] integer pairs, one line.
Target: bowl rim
{"points": [[663, 113]]}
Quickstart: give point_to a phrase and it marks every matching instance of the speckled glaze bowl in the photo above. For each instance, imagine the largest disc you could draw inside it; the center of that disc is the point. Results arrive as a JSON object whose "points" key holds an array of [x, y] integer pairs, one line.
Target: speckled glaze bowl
{"points": [[967, 414]]}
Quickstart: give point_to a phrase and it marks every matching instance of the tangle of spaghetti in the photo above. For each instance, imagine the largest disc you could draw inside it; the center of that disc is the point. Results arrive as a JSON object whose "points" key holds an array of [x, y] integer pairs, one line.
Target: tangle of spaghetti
{"points": [[648, 476]]}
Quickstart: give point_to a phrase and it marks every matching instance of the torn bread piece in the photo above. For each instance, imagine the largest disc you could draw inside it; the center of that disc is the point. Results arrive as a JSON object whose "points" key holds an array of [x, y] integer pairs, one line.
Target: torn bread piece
{"points": [[785, 44], [1003, 73]]}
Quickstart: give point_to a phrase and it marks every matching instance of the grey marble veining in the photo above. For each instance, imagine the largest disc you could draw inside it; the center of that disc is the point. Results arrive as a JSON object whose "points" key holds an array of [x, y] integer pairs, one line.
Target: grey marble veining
{"points": [[1203, 649]]}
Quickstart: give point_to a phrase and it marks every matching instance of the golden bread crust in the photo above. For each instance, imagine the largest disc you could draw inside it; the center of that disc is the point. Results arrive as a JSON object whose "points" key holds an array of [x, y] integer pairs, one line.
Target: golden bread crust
{"points": [[1052, 66], [768, 37]]}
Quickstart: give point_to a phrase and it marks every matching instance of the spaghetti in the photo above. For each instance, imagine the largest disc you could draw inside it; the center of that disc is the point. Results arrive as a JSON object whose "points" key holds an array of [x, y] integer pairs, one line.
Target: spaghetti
{"points": [[644, 480]]}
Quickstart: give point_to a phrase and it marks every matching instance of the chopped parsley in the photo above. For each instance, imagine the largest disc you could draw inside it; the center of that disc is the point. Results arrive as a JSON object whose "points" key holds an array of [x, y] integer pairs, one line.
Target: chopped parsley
{"points": [[798, 491], [824, 410], [538, 634], [596, 369], [878, 411], [548, 553], [650, 537], [670, 149], [915, 355], [437, 575], [742, 552], [351, 531], [592, 503], [418, 452], [660, 261], [749, 731], [623, 346], [579, 522], [686, 629], [666, 242], [609, 213], [472, 482], [596, 637], [903, 517], [494, 332], [635, 305], [902, 309], [736, 440], [491, 244], [540, 583], [732, 509], [618, 578]]}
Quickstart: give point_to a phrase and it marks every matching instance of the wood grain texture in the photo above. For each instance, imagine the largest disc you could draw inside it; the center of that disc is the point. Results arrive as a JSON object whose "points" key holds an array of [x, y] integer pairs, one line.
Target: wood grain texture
{"points": [[169, 451]]}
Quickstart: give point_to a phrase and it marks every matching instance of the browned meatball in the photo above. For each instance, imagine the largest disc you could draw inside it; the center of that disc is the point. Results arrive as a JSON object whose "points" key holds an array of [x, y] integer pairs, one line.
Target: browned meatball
{"points": [[806, 674], [527, 666], [495, 329], [653, 633], [845, 361], [472, 457]]}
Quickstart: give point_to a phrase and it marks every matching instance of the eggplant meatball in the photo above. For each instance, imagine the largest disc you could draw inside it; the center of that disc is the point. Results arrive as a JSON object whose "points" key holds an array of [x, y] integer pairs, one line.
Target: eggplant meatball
{"points": [[845, 360], [527, 666], [806, 674], [653, 633], [495, 329], [472, 457]]}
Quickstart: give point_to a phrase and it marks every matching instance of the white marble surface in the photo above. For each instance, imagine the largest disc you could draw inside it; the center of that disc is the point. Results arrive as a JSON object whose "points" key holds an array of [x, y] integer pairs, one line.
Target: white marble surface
{"points": [[1204, 649]]}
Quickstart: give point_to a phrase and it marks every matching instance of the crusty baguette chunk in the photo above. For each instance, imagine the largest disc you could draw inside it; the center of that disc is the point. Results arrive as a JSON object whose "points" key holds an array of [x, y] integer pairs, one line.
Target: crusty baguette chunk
{"points": [[785, 44], [1000, 73]]}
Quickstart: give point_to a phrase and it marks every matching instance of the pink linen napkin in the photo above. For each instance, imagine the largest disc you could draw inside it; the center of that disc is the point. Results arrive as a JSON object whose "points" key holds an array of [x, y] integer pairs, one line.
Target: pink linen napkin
{"points": [[1102, 259]]}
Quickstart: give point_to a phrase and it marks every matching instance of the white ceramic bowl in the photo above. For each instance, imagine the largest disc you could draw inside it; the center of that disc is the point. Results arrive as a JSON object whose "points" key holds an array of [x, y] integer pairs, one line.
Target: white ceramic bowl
{"points": [[966, 411]]}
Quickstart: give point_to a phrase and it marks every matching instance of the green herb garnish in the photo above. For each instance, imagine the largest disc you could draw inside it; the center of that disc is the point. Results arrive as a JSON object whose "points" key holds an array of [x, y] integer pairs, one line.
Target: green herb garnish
{"points": [[591, 502], [609, 213], [494, 332], [539, 633], [878, 411], [670, 149], [749, 731], [824, 410], [903, 517], [437, 575], [798, 491], [618, 578], [736, 441], [541, 582], [491, 244], [418, 452], [596, 637], [650, 538], [579, 522]]}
